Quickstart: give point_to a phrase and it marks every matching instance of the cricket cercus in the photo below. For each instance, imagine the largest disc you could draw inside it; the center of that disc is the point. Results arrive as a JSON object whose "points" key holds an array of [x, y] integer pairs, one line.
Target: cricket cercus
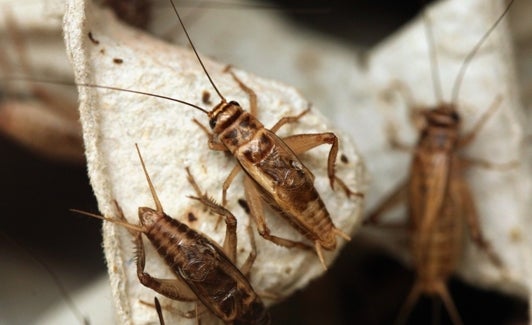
{"points": [[113, 121]]}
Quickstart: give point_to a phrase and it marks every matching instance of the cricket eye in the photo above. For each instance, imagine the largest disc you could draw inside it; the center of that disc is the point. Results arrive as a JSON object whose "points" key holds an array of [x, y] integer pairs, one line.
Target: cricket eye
{"points": [[233, 103], [455, 116], [212, 123]]}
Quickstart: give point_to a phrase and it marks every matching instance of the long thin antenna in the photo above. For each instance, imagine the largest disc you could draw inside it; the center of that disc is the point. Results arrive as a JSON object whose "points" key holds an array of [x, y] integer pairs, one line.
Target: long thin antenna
{"points": [[196, 52], [469, 57], [436, 80], [72, 84], [125, 224], [158, 204]]}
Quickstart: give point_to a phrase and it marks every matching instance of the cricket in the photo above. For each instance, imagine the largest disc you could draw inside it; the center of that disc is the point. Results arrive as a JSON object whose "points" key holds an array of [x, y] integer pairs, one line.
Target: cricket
{"points": [[205, 272], [439, 201], [274, 174]]}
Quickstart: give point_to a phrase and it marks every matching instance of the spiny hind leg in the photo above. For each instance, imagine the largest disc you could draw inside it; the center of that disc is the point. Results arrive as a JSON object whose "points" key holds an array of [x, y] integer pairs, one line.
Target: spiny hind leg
{"points": [[253, 108], [230, 241], [300, 143], [257, 211]]}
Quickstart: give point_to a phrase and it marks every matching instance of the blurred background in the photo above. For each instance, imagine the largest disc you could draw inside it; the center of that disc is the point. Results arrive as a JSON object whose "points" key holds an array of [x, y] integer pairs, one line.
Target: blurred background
{"points": [[364, 286]]}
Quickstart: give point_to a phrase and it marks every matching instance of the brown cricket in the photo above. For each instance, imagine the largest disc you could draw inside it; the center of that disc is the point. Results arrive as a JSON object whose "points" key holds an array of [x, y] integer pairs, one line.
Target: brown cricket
{"points": [[273, 173], [438, 197], [205, 272]]}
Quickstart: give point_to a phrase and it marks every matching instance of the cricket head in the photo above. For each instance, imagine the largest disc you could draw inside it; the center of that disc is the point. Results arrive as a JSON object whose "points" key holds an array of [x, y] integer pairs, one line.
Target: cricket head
{"points": [[443, 116], [441, 129], [223, 115], [148, 216]]}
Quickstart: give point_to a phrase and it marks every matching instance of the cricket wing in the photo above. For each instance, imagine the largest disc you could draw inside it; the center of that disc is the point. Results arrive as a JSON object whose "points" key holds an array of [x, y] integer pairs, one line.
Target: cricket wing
{"points": [[428, 187]]}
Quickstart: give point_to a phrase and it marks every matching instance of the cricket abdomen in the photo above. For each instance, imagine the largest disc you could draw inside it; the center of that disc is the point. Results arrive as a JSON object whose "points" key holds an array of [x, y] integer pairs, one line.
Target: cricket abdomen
{"points": [[217, 283], [437, 251]]}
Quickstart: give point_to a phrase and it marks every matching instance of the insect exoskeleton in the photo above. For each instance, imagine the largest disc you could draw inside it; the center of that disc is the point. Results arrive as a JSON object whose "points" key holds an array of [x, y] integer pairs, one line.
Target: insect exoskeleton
{"points": [[114, 120], [204, 272], [442, 208]]}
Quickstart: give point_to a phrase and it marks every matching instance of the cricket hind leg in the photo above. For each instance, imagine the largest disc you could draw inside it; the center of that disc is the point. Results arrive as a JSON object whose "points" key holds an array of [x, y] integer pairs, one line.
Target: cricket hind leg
{"points": [[301, 143]]}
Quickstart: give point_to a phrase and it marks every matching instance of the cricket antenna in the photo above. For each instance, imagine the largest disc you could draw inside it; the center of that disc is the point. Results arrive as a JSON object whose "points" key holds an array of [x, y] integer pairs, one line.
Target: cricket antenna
{"points": [[469, 57], [152, 189], [436, 80], [196, 53], [88, 85]]}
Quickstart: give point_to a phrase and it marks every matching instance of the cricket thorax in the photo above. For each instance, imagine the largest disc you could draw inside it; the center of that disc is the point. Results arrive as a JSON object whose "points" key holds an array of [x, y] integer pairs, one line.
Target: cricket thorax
{"points": [[441, 129], [233, 126]]}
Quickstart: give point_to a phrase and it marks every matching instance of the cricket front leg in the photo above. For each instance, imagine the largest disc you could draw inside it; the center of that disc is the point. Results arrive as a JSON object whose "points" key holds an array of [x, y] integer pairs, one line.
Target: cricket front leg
{"points": [[397, 196], [301, 143], [213, 143]]}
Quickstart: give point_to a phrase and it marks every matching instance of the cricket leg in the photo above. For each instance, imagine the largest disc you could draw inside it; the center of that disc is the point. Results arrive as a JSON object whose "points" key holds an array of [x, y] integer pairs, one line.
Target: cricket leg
{"points": [[159, 310], [393, 139], [397, 196], [230, 241], [253, 108], [197, 311], [300, 143], [411, 300], [476, 162], [289, 119], [213, 144], [469, 137], [472, 219], [449, 304], [246, 267]]}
